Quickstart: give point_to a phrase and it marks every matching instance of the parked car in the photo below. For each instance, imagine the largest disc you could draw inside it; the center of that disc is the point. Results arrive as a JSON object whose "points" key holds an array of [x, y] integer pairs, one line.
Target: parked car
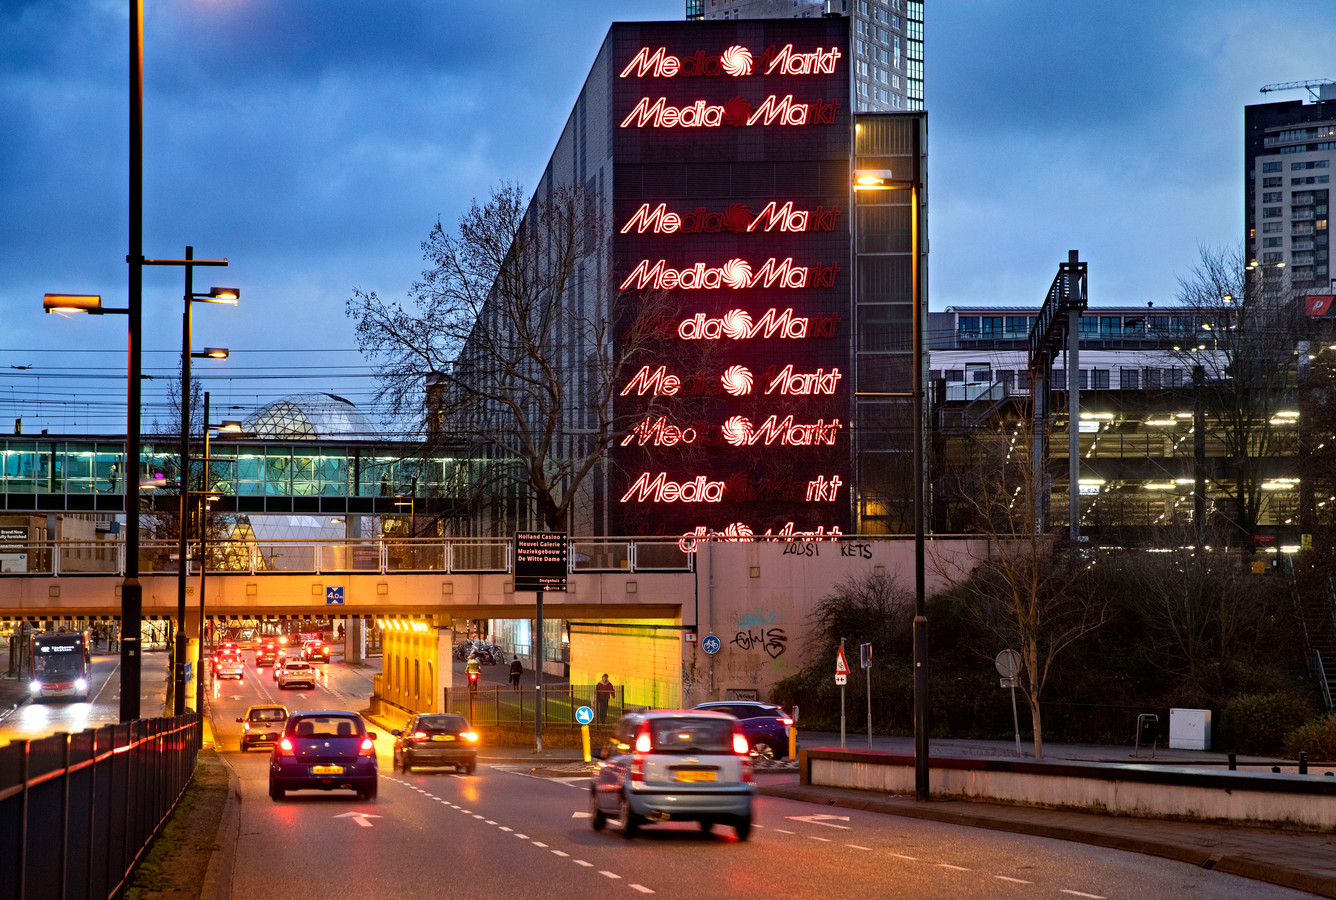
{"points": [[436, 740], [324, 750], [670, 765], [765, 725], [315, 651], [296, 672], [262, 725]]}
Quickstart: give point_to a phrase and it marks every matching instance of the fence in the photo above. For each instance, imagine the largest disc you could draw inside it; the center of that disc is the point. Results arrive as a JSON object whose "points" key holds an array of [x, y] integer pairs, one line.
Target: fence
{"points": [[506, 706], [77, 811]]}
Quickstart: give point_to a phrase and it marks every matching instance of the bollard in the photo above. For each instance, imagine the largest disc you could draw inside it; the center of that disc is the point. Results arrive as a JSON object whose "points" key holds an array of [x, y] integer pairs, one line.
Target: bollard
{"points": [[1233, 762], [793, 742], [584, 738], [1303, 762]]}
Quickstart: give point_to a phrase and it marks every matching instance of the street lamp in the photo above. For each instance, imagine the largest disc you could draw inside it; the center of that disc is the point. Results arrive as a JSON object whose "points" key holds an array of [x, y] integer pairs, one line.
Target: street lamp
{"points": [[884, 180], [229, 296]]}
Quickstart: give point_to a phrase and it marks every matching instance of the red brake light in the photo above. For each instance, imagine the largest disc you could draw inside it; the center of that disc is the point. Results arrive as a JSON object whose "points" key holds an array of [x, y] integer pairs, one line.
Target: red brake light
{"points": [[245, 726], [740, 746], [746, 769], [418, 736], [785, 721], [643, 741], [468, 735], [285, 747], [368, 748], [637, 768]]}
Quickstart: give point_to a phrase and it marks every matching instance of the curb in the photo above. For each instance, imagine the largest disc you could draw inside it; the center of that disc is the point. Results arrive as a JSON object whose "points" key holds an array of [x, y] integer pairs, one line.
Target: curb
{"points": [[1245, 867], [218, 874]]}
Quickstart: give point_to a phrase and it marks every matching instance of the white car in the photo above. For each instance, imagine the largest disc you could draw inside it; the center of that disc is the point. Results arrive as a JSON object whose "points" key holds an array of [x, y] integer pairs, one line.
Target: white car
{"points": [[296, 672]]}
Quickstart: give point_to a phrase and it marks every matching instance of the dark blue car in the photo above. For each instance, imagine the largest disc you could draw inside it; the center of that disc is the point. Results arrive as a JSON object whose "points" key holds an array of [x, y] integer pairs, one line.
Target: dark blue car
{"points": [[765, 725], [324, 750]]}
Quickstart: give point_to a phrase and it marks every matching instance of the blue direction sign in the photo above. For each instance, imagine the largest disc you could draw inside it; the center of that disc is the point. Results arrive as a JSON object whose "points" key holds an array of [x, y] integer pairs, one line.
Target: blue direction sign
{"points": [[711, 644], [334, 596], [584, 715]]}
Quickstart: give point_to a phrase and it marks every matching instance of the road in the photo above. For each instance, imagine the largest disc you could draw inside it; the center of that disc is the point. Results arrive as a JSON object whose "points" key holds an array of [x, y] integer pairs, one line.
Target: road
{"points": [[506, 832], [37, 719]]}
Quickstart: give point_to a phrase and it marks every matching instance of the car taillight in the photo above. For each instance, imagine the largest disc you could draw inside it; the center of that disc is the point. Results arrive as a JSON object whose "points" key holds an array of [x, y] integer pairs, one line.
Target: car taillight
{"points": [[746, 769], [740, 746], [785, 721], [417, 736], [468, 735], [285, 747], [637, 768], [643, 741], [245, 726], [368, 748]]}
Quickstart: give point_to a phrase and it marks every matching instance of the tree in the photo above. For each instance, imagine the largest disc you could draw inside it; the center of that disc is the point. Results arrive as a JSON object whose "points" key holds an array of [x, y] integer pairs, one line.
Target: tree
{"points": [[1020, 586], [513, 345], [1247, 352]]}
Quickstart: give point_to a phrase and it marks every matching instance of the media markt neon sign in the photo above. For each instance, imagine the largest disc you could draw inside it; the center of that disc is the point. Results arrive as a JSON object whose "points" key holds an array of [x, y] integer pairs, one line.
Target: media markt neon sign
{"points": [[737, 274], [738, 532], [737, 112], [736, 217], [735, 61]]}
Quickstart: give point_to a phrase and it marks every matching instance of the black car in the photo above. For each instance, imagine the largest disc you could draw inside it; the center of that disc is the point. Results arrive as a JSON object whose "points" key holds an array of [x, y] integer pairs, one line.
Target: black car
{"points": [[324, 750], [262, 724], [436, 740], [765, 725]]}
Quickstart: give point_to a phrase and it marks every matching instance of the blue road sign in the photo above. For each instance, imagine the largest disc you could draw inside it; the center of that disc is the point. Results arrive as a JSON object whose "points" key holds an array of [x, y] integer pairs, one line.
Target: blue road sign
{"points": [[334, 596], [584, 715], [711, 644]]}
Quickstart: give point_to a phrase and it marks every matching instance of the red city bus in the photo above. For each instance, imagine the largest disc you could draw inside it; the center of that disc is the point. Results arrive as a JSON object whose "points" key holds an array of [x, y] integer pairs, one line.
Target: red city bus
{"points": [[59, 666]]}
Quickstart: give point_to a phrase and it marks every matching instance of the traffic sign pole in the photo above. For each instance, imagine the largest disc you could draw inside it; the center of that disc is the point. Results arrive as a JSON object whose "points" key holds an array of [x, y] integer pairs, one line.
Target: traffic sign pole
{"points": [[865, 657], [841, 673]]}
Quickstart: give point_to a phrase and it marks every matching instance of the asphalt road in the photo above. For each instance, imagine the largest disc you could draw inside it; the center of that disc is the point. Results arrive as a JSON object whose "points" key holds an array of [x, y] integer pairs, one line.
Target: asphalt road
{"points": [[39, 718], [506, 832]]}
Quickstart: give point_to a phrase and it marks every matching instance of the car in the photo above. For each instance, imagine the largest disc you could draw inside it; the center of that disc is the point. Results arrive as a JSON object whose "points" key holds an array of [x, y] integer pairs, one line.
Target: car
{"points": [[315, 651], [228, 664], [262, 725], [436, 740], [674, 765], [765, 725], [324, 750], [266, 652], [296, 672], [280, 661]]}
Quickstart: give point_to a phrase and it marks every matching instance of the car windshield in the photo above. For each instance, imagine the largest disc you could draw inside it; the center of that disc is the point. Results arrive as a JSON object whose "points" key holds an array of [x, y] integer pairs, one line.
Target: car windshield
{"points": [[442, 723], [267, 715], [325, 726], [689, 734]]}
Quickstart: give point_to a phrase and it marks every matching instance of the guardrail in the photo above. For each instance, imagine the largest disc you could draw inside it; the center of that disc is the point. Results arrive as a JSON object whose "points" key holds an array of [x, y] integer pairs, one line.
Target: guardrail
{"points": [[370, 556], [78, 810]]}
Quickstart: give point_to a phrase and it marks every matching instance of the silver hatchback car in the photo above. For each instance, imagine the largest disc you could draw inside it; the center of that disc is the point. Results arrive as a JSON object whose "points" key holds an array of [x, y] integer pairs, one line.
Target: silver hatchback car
{"points": [[674, 765]]}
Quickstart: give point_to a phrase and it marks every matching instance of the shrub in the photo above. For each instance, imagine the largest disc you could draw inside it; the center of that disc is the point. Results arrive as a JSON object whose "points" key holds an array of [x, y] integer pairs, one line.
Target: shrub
{"points": [[1317, 739], [1258, 723]]}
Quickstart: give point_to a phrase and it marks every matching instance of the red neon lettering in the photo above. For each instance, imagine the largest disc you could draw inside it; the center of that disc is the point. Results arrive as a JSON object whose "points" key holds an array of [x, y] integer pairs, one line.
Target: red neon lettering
{"points": [[736, 218], [658, 489], [659, 433], [737, 380], [736, 274], [736, 111], [818, 62], [785, 112], [786, 381], [789, 533], [740, 432], [737, 325], [735, 61], [657, 382], [822, 490], [660, 64]]}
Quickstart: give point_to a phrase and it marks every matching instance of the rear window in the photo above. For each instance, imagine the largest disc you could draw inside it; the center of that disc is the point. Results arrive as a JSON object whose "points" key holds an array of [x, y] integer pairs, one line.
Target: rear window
{"points": [[267, 715], [443, 723], [325, 726], [297, 666], [691, 734]]}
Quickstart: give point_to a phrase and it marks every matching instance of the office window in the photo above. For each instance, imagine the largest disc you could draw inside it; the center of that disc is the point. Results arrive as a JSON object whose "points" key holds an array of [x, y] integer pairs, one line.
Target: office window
{"points": [[1273, 167], [1110, 326], [1273, 182], [1101, 379], [992, 325], [1129, 379], [955, 375], [1271, 212], [1273, 227], [968, 325], [1087, 325], [1273, 257], [1272, 242], [1273, 196], [1017, 324]]}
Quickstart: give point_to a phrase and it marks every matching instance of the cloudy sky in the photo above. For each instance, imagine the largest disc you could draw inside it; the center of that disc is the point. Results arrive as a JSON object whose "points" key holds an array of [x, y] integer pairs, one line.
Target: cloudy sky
{"points": [[315, 142]]}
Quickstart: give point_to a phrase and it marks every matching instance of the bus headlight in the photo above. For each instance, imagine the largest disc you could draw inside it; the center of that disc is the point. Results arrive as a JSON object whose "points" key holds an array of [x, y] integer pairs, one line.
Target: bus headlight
{"points": [[35, 687], [80, 684]]}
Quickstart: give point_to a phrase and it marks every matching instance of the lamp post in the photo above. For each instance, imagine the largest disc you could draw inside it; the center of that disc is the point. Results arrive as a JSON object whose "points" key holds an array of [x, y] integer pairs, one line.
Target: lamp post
{"points": [[215, 295], [880, 180]]}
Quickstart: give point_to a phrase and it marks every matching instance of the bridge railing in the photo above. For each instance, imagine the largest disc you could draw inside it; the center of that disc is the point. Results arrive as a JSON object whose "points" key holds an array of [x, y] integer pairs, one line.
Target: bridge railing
{"points": [[370, 556]]}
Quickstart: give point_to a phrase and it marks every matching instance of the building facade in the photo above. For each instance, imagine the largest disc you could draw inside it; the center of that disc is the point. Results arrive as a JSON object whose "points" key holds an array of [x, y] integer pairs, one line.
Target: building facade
{"points": [[886, 46], [1289, 158]]}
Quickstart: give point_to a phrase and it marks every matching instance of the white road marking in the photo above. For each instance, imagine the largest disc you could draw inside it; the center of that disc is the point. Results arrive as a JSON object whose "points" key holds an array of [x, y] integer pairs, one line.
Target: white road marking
{"points": [[1080, 894], [476, 815], [490, 822], [540, 844], [523, 837], [815, 838], [821, 819], [560, 853], [605, 873], [503, 827], [581, 862], [1015, 880], [957, 868], [856, 847], [641, 888], [582, 815], [902, 856], [782, 831], [359, 818]]}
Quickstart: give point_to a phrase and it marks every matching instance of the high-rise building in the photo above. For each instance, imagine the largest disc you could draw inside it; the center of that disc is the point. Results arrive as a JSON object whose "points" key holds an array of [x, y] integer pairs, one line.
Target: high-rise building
{"points": [[1289, 157], [886, 42]]}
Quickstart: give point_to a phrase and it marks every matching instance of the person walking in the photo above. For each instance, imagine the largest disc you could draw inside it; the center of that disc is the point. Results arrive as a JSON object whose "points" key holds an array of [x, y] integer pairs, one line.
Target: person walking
{"points": [[603, 692], [516, 670]]}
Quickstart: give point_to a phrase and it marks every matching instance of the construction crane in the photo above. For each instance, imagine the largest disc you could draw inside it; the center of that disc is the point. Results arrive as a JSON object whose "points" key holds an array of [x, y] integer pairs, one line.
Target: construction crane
{"points": [[1313, 87]]}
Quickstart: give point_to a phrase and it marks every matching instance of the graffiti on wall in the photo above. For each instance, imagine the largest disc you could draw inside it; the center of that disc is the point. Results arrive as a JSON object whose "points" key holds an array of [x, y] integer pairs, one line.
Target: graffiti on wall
{"points": [[772, 641]]}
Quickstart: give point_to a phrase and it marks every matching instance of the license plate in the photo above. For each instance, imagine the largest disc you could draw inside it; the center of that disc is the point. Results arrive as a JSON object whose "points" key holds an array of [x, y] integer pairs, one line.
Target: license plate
{"points": [[694, 775], [326, 770], [442, 737]]}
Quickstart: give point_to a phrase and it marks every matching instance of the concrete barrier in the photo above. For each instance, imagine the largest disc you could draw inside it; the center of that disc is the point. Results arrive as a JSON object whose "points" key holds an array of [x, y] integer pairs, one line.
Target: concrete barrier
{"points": [[1245, 798]]}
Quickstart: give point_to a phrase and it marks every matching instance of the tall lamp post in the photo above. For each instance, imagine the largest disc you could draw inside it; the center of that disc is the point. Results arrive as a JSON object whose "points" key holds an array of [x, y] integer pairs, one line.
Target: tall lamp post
{"points": [[215, 295], [883, 180]]}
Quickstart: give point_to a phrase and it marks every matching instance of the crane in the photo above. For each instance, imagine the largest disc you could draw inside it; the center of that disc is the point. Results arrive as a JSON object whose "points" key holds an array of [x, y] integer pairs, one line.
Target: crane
{"points": [[1313, 87]]}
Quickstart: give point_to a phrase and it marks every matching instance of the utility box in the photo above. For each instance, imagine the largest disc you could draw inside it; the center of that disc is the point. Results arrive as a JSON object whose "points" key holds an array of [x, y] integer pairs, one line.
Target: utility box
{"points": [[1190, 729]]}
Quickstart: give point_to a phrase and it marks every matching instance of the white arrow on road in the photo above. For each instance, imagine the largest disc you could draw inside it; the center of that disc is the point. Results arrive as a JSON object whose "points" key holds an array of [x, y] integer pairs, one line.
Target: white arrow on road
{"points": [[359, 818], [822, 820]]}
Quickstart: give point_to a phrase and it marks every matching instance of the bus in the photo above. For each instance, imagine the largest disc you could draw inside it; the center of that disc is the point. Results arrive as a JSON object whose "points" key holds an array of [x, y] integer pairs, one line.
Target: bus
{"points": [[59, 666]]}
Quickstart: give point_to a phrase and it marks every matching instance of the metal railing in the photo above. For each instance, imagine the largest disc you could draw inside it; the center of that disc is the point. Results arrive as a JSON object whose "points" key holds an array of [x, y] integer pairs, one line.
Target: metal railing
{"points": [[491, 706], [77, 811], [372, 556]]}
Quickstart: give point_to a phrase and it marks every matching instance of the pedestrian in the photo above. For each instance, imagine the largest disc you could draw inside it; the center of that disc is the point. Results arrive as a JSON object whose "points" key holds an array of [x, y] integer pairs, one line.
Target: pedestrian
{"points": [[516, 670], [340, 631], [603, 692]]}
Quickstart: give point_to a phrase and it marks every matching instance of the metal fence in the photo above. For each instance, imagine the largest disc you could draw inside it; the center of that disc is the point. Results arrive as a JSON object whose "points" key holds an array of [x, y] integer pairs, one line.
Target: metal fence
{"points": [[77, 810], [508, 706]]}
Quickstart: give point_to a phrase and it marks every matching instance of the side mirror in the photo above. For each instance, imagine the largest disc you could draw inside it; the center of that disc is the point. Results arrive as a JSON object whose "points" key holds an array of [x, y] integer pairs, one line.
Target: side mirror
{"points": [[397, 733], [240, 719], [370, 735]]}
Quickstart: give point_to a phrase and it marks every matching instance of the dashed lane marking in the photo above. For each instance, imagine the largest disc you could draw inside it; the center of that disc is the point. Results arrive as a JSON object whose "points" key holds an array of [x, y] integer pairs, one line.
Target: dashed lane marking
{"points": [[605, 873], [561, 853], [581, 862], [956, 868], [641, 888], [902, 856], [1082, 894], [1013, 880], [857, 847]]}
